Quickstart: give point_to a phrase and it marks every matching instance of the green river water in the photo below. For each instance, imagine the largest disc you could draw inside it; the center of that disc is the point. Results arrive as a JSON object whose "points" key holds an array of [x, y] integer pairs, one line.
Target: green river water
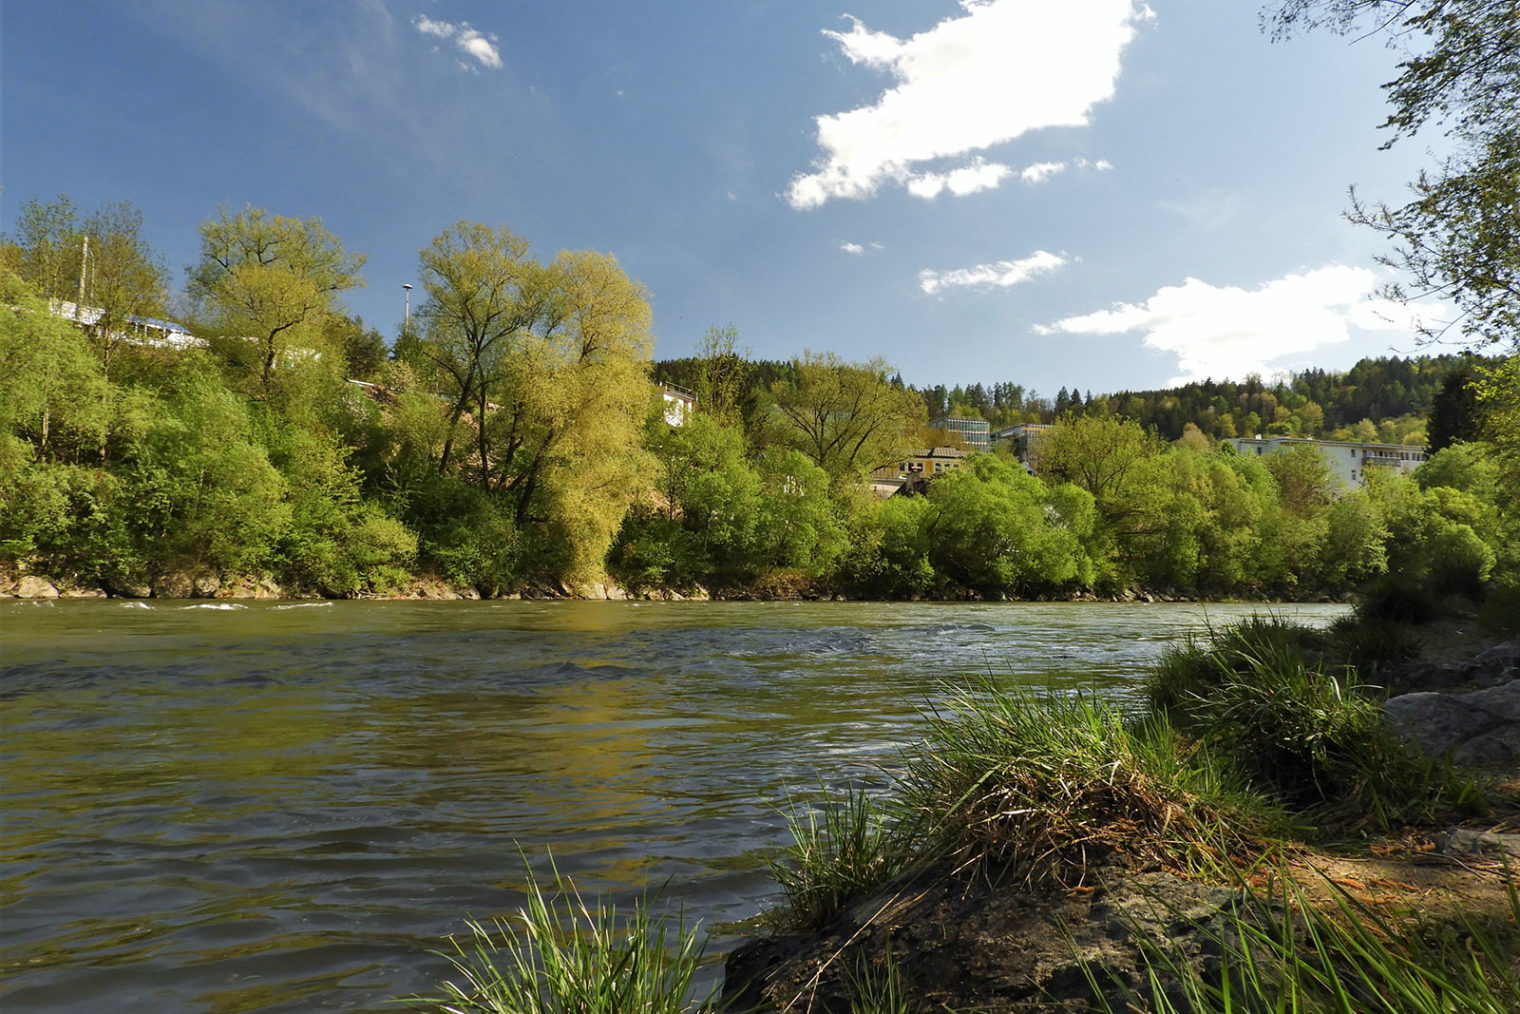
{"points": [[287, 806]]}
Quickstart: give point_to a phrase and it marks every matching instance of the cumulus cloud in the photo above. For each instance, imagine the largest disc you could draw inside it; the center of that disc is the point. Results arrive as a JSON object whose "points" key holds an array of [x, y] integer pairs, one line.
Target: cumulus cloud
{"points": [[1227, 331], [469, 41], [968, 179], [1000, 70], [999, 275], [852, 248]]}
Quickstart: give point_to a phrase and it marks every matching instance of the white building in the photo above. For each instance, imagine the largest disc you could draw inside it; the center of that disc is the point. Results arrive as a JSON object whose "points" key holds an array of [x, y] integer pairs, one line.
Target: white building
{"points": [[1348, 459], [679, 403]]}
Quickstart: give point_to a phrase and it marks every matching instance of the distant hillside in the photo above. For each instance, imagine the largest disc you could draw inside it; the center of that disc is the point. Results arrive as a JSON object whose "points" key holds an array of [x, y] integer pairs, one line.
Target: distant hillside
{"points": [[1387, 398]]}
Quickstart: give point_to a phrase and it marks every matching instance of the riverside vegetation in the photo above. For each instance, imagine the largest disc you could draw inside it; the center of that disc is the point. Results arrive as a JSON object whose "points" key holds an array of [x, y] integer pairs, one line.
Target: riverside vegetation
{"points": [[513, 441]]}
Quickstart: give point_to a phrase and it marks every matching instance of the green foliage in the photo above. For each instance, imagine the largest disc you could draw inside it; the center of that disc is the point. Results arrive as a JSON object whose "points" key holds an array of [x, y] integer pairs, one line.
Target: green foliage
{"points": [[842, 848], [847, 417], [1053, 784], [1265, 695], [564, 955], [464, 534], [997, 530], [1282, 952], [889, 550], [268, 284]]}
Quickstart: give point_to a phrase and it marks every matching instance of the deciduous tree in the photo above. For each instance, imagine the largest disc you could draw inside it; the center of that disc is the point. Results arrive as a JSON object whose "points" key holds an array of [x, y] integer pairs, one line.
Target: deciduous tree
{"points": [[271, 282]]}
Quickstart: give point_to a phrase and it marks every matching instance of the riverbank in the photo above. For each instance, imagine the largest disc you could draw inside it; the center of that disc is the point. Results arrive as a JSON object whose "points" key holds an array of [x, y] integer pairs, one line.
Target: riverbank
{"points": [[1040, 855], [203, 585]]}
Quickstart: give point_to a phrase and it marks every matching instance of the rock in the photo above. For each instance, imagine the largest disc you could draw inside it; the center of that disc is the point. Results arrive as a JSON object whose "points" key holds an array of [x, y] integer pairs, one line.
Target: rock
{"points": [[240, 589], [205, 586], [81, 593], [615, 592], [469, 593], [1464, 841], [33, 587], [1477, 727], [174, 584], [969, 942], [129, 588]]}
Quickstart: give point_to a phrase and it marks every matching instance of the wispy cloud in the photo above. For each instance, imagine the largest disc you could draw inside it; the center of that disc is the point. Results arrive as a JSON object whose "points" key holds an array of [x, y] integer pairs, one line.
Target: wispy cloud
{"points": [[998, 275], [1228, 331], [470, 41], [1000, 70], [852, 248]]}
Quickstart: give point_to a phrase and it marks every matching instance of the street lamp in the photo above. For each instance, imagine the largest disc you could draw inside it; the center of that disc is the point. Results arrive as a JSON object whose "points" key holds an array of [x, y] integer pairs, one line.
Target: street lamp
{"points": [[406, 319]]}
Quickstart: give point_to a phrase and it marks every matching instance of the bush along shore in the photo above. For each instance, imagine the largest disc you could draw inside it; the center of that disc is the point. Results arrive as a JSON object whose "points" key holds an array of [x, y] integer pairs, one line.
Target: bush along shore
{"points": [[1278, 824]]}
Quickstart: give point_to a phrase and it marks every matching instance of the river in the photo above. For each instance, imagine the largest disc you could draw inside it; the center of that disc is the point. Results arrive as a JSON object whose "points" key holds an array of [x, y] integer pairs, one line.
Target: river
{"points": [[286, 807]]}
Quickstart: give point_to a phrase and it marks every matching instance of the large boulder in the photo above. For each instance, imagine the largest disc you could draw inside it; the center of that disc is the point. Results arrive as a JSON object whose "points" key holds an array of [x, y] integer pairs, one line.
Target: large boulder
{"points": [[33, 587], [174, 584], [1477, 727]]}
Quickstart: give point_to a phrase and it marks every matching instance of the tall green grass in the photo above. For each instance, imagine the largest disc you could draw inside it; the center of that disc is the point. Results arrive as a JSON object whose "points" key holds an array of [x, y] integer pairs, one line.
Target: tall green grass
{"points": [[842, 848], [1053, 783], [563, 955], [1267, 697], [1281, 954]]}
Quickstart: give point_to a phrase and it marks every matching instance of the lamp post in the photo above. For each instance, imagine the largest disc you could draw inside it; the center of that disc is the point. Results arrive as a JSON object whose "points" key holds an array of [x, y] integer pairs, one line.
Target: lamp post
{"points": [[406, 319]]}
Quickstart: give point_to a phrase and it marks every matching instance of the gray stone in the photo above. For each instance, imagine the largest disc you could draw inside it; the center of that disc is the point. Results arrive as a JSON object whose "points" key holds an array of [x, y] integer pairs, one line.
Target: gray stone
{"points": [[1464, 841], [205, 586], [175, 584], [33, 587], [1478, 727], [81, 593]]}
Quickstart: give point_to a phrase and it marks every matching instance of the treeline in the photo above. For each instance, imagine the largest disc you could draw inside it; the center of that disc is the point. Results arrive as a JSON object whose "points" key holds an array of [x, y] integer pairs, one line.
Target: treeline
{"points": [[1386, 399], [512, 437]]}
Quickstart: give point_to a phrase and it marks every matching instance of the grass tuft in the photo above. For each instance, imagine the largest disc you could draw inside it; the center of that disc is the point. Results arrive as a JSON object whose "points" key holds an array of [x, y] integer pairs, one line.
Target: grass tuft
{"points": [[563, 955], [1265, 696], [1053, 784], [841, 849]]}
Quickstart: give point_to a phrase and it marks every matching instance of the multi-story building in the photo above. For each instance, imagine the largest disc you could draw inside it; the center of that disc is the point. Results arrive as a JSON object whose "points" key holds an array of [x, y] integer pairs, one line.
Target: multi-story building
{"points": [[1021, 439], [976, 434], [1349, 460]]}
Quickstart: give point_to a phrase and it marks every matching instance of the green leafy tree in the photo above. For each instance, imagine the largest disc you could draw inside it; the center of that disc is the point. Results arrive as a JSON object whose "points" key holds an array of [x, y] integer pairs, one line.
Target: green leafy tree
{"points": [[996, 530], [1459, 238], [847, 417], [484, 294], [268, 284]]}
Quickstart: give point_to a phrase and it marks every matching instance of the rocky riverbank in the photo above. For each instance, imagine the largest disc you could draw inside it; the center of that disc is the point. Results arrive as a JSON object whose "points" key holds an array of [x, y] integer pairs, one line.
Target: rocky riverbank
{"points": [[984, 936]]}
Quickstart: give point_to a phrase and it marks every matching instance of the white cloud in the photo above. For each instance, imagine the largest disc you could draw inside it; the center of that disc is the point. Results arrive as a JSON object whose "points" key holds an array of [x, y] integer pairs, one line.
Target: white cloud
{"points": [[1041, 171], [1227, 331], [968, 179], [1002, 69], [469, 41], [852, 248], [1000, 275]]}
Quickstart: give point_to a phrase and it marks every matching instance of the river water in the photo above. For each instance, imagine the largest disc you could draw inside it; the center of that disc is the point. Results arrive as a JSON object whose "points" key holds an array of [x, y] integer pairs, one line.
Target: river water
{"points": [[287, 806]]}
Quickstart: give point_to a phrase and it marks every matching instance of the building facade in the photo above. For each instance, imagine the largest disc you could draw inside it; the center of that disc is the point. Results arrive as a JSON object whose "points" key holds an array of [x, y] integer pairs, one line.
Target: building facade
{"points": [[1349, 460], [976, 434]]}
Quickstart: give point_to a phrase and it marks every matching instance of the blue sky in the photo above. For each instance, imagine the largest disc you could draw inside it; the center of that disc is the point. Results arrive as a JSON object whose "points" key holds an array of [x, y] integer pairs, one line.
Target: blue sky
{"points": [[1092, 193]]}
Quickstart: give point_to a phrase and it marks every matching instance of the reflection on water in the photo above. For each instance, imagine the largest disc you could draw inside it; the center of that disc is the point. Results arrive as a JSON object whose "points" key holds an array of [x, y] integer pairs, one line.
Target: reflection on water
{"points": [[284, 807]]}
